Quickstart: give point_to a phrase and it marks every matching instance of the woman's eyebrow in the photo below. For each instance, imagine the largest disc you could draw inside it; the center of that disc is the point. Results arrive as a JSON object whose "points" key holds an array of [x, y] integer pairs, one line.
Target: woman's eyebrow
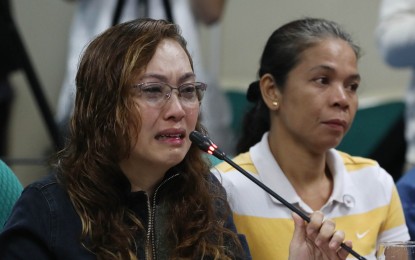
{"points": [[186, 76], [355, 76], [163, 78]]}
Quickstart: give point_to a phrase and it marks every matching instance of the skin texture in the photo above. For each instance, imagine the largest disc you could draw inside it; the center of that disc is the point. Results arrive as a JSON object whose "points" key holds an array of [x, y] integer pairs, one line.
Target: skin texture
{"points": [[151, 153], [320, 100], [317, 240], [314, 112]]}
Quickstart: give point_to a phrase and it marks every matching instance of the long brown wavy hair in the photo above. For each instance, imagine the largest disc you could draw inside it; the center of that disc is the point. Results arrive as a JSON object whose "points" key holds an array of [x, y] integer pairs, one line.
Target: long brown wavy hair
{"points": [[101, 128]]}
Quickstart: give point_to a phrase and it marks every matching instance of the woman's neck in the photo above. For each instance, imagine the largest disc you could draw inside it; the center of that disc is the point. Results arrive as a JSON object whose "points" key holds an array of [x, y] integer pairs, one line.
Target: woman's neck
{"points": [[307, 172]]}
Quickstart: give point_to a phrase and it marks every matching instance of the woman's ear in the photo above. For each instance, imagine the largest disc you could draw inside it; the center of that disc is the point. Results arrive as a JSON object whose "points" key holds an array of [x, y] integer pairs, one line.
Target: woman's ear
{"points": [[269, 91]]}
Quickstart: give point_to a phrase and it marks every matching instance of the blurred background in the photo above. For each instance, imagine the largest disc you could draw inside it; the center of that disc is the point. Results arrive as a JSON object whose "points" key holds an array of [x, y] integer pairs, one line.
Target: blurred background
{"points": [[231, 50]]}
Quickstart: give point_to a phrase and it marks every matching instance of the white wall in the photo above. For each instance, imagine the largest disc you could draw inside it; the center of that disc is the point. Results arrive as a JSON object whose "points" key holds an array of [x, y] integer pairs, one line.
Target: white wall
{"points": [[246, 25], [43, 26]]}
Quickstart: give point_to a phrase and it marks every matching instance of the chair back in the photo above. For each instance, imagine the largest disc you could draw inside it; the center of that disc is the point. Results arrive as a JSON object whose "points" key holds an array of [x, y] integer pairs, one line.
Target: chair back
{"points": [[10, 190]]}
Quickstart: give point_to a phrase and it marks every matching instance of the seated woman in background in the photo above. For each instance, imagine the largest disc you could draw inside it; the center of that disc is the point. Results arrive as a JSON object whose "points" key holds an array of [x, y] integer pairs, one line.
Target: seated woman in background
{"points": [[10, 189], [305, 101], [129, 183]]}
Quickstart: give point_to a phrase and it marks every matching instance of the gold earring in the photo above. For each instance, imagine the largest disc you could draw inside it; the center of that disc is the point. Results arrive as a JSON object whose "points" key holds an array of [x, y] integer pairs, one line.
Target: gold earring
{"points": [[275, 103]]}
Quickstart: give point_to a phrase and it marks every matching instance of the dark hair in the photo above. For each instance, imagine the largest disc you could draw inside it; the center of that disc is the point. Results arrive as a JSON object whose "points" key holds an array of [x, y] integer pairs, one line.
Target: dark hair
{"points": [[281, 54], [102, 126]]}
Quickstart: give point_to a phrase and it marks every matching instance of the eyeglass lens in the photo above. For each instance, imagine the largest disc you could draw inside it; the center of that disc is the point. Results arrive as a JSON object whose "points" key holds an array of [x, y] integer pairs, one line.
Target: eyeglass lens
{"points": [[157, 93]]}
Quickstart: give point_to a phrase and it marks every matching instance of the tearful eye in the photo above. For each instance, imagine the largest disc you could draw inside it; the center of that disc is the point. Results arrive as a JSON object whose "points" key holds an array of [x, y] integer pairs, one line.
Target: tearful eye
{"points": [[188, 91], [157, 93], [153, 92], [153, 89]]}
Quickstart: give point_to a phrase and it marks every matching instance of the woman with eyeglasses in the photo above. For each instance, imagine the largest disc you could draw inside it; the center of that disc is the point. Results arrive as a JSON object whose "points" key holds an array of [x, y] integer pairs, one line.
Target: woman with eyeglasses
{"points": [[129, 184]]}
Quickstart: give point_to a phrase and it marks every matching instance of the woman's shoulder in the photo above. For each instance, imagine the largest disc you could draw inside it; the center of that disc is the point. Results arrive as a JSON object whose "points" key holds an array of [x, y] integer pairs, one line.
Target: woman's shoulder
{"points": [[364, 170], [46, 182], [48, 192], [44, 220], [356, 162], [243, 160], [46, 201]]}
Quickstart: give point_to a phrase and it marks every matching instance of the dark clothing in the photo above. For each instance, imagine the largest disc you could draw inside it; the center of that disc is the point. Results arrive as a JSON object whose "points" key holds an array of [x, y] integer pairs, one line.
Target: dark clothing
{"points": [[45, 225], [406, 190]]}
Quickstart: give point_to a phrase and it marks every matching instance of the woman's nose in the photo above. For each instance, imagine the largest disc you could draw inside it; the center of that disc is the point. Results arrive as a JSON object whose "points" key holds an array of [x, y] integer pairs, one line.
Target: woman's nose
{"points": [[340, 97], [174, 107]]}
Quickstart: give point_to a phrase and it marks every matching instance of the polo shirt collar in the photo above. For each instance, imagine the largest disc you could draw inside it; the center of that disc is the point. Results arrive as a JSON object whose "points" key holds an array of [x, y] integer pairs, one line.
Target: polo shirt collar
{"points": [[270, 173]]}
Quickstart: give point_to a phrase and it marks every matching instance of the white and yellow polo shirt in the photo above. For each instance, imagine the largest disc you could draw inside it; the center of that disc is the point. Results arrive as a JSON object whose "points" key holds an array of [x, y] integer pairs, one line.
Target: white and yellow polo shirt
{"points": [[364, 202]]}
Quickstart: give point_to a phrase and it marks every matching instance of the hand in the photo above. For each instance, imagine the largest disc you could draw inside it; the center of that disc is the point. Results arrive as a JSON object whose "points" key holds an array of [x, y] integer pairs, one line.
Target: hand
{"points": [[317, 239]]}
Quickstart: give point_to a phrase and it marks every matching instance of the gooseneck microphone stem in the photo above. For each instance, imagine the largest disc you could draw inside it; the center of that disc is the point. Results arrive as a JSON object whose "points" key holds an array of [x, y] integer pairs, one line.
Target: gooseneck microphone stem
{"points": [[267, 189], [206, 145], [283, 201]]}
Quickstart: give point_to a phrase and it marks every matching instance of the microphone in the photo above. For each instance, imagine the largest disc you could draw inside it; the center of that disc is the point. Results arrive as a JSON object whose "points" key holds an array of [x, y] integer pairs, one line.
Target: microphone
{"points": [[205, 144]]}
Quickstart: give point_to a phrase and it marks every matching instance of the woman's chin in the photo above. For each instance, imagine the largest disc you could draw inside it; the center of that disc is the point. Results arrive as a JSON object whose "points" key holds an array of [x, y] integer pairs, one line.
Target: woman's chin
{"points": [[174, 159]]}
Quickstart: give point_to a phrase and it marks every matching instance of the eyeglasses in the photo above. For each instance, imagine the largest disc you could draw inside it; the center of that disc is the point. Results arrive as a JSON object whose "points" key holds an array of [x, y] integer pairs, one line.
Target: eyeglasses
{"points": [[157, 93]]}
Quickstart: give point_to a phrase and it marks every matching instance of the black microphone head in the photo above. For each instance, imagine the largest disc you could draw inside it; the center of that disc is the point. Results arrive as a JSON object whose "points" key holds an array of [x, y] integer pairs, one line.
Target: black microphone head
{"points": [[200, 140], [206, 145]]}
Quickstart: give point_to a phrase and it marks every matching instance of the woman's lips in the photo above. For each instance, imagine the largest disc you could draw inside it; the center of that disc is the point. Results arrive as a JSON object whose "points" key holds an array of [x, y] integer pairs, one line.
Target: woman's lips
{"points": [[172, 136], [337, 124]]}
